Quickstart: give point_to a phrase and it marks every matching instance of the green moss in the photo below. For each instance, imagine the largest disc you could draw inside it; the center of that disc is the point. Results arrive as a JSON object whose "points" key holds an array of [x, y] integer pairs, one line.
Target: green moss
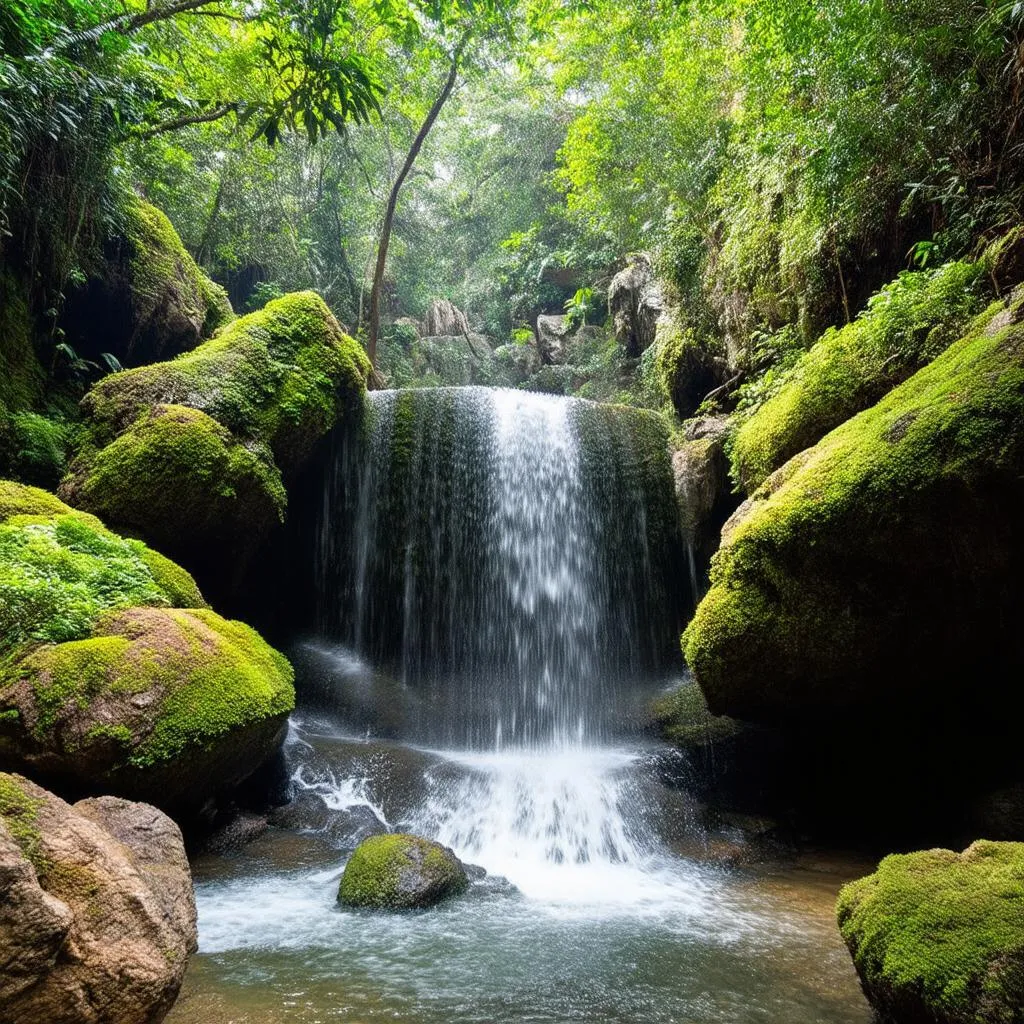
{"points": [[940, 936], [830, 583], [19, 812], [176, 469], [683, 718], [282, 375], [905, 325], [59, 570], [205, 677], [21, 376], [240, 681], [20, 500], [373, 874], [38, 447], [161, 270]]}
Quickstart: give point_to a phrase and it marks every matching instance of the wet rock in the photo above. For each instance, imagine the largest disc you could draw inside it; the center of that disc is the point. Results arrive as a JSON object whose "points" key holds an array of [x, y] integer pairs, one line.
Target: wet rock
{"points": [[401, 872], [242, 829], [700, 470], [635, 303], [444, 319], [520, 361], [97, 916]]}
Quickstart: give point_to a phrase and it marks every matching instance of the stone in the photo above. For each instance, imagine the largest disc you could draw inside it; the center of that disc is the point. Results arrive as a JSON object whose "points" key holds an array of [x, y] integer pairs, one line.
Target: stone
{"points": [[635, 302], [97, 914], [401, 872], [553, 334], [444, 319]]}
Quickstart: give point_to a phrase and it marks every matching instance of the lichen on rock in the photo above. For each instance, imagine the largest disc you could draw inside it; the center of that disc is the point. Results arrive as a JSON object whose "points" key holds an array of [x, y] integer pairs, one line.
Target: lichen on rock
{"points": [[939, 936]]}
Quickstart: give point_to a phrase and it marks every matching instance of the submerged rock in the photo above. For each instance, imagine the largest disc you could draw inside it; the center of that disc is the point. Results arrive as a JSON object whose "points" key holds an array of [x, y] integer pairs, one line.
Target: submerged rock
{"points": [[401, 872], [97, 915], [938, 936], [114, 675]]}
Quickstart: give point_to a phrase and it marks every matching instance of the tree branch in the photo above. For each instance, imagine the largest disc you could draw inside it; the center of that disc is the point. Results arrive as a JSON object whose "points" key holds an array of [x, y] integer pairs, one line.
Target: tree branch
{"points": [[389, 215], [189, 119]]}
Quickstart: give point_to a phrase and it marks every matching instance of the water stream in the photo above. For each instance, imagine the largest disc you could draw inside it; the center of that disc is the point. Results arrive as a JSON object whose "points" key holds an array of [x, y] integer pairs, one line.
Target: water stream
{"points": [[498, 576]]}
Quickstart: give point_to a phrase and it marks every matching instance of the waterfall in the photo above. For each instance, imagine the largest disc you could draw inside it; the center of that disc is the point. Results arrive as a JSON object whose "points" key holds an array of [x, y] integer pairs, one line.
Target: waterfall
{"points": [[510, 557]]}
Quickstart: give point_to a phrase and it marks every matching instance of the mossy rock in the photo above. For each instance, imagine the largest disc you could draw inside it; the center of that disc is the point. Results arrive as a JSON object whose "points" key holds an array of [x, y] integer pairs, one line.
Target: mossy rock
{"points": [[683, 719], [192, 453], [686, 367], [149, 300], [849, 368], [182, 480], [401, 872], [884, 567], [114, 675], [938, 936], [21, 376]]}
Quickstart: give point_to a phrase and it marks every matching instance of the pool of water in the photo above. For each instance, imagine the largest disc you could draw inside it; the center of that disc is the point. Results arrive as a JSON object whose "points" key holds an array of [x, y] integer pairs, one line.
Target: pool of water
{"points": [[584, 915]]}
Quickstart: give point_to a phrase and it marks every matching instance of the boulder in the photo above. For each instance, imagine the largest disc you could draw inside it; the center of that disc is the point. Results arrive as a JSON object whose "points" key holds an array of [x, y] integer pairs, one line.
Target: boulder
{"points": [[553, 334], [114, 675], [884, 567], [401, 872], [938, 936], [520, 361], [700, 469], [148, 300], [848, 369], [194, 454], [635, 302], [97, 915], [444, 319]]}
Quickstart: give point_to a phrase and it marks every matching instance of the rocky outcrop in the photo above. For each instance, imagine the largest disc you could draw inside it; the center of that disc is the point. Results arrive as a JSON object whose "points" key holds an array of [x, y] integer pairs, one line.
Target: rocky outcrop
{"points": [[688, 368], [114, 675], [700, 469], [193, 454], [883, 568], [848, 369], [553, 334], [444, 319], [149, 300], [97, 915], [519, 360], [938, 936], [634, 303], [401, 872]]}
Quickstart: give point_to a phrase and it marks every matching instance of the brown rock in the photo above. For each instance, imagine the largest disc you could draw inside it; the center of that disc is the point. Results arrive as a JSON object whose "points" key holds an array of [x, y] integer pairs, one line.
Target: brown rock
{"points": [[97, 916]]}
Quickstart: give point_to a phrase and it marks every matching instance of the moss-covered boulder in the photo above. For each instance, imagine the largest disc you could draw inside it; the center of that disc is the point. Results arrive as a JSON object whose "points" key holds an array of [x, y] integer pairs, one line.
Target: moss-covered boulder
{"points": [[938, 937], [193, 454], [849, 368], [114, 675], [401, 872], [884, 567], [148, 299]]}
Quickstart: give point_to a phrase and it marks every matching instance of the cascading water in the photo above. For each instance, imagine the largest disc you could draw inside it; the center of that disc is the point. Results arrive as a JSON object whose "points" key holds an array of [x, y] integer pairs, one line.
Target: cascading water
{"points": [[511, 557], [498, 577]]}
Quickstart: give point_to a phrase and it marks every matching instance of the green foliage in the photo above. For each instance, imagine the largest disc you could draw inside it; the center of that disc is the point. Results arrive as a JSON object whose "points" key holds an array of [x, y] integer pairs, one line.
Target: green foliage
{"points": [[906, 324], [39, 448], [58, 573], [940, 934]]}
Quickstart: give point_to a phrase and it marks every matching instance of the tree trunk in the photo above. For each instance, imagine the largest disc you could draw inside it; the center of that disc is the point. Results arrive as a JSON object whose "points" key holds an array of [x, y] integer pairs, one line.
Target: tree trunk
{"points": [[389, 214]]}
